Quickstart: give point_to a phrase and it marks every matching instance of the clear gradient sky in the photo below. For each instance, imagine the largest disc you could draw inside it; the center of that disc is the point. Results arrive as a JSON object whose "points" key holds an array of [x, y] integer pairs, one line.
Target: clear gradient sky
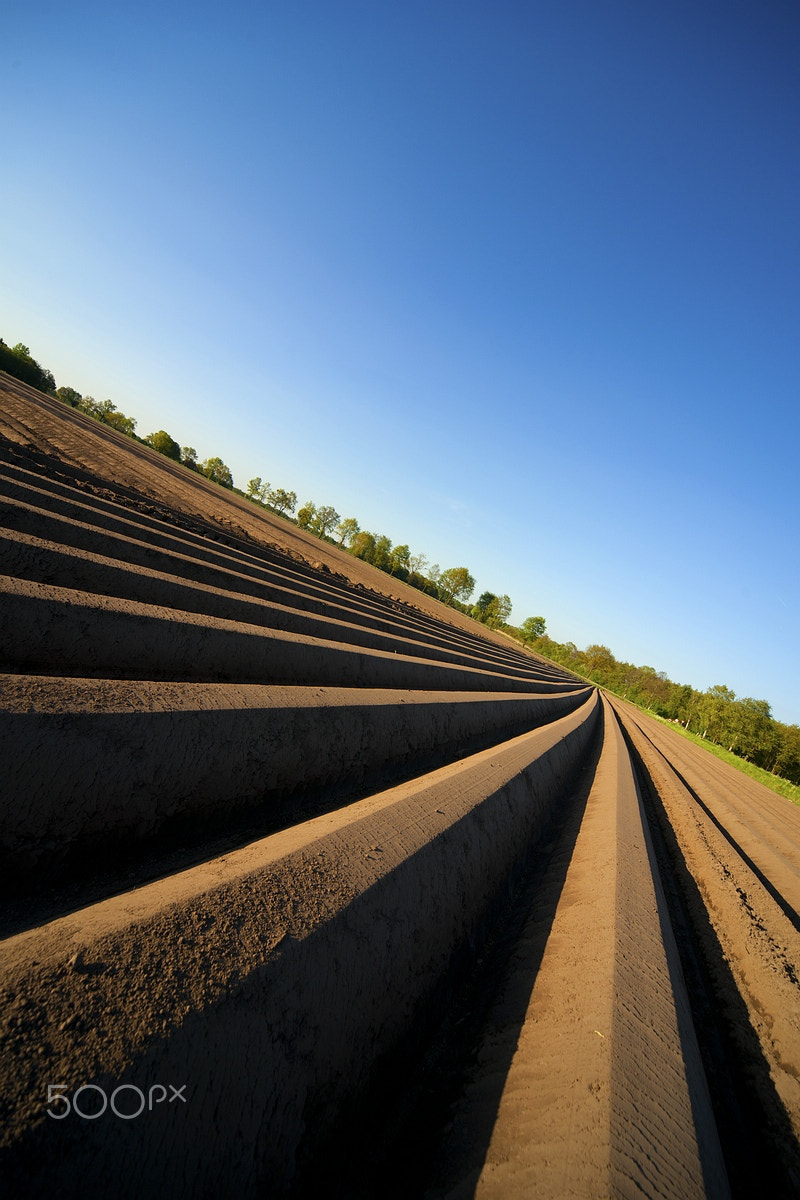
{"points": [[515, 283]]}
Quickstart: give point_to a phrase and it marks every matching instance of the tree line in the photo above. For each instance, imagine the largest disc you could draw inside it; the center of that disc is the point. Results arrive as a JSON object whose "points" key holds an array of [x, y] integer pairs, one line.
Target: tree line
{"points": [[744, 726], [18, 361], [454, 586]]}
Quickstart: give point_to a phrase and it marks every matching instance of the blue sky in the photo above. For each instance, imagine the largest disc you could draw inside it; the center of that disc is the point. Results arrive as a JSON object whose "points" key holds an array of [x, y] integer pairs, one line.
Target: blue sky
{"points": [[515, 283]]}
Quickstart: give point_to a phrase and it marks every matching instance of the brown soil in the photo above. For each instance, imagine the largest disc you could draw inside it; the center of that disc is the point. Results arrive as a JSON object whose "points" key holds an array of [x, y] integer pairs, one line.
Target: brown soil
{"points": [[407, 909]]}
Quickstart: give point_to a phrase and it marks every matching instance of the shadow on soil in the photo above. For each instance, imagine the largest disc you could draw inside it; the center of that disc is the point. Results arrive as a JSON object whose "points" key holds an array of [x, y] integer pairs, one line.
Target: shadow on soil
{"points": [[34, 893], [394, 1142]]}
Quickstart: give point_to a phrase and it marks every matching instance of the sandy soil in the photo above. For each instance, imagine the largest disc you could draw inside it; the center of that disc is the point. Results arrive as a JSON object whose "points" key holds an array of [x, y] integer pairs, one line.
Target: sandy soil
{"points": [[273, 819]]}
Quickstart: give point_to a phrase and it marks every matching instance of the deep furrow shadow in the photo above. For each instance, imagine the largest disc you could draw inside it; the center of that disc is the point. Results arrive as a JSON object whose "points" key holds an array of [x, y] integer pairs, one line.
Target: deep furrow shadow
{"points": [[105, 866], [391, 1144]]}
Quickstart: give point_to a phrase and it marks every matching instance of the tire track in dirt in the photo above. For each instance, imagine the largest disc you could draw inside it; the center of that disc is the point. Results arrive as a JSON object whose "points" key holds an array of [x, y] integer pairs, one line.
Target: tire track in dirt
{"points": [[750, 1000], [761, 826]]}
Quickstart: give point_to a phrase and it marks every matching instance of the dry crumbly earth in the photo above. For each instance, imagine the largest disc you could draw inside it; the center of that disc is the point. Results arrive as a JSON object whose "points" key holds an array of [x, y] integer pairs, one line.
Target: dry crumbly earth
{"points": [[365, 876]]}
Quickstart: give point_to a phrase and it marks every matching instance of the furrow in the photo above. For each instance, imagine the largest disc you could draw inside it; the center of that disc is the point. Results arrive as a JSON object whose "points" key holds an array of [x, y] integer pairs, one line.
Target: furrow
{"points": [[102, 768], [253, 579], [270, 983], [35, 560], [590, 1043], [97, 635]]}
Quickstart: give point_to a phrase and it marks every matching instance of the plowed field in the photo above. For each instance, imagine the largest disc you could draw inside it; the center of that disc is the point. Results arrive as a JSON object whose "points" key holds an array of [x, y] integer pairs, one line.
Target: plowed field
{"points": [[316, 887]]}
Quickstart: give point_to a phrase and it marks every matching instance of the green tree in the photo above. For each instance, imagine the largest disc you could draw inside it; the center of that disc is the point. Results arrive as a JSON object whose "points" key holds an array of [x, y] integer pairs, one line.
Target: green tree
{"points": [[423, 584], [189, 457], [215, 470], [347, 530], [650, 686], [256, 490], [481, 605], [17, 361], [756, 736], [107, 413], [164, 444], [679, 704], [381, 557], [282, 501], [532, 628], [716, 713], [599, 664], [99, 409], [787, 761], [121, 423], [398, 561], [363, 546], [69, 396], [324, 519], [492, 610], [456, 583], [498, 612], [306, 514]]}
